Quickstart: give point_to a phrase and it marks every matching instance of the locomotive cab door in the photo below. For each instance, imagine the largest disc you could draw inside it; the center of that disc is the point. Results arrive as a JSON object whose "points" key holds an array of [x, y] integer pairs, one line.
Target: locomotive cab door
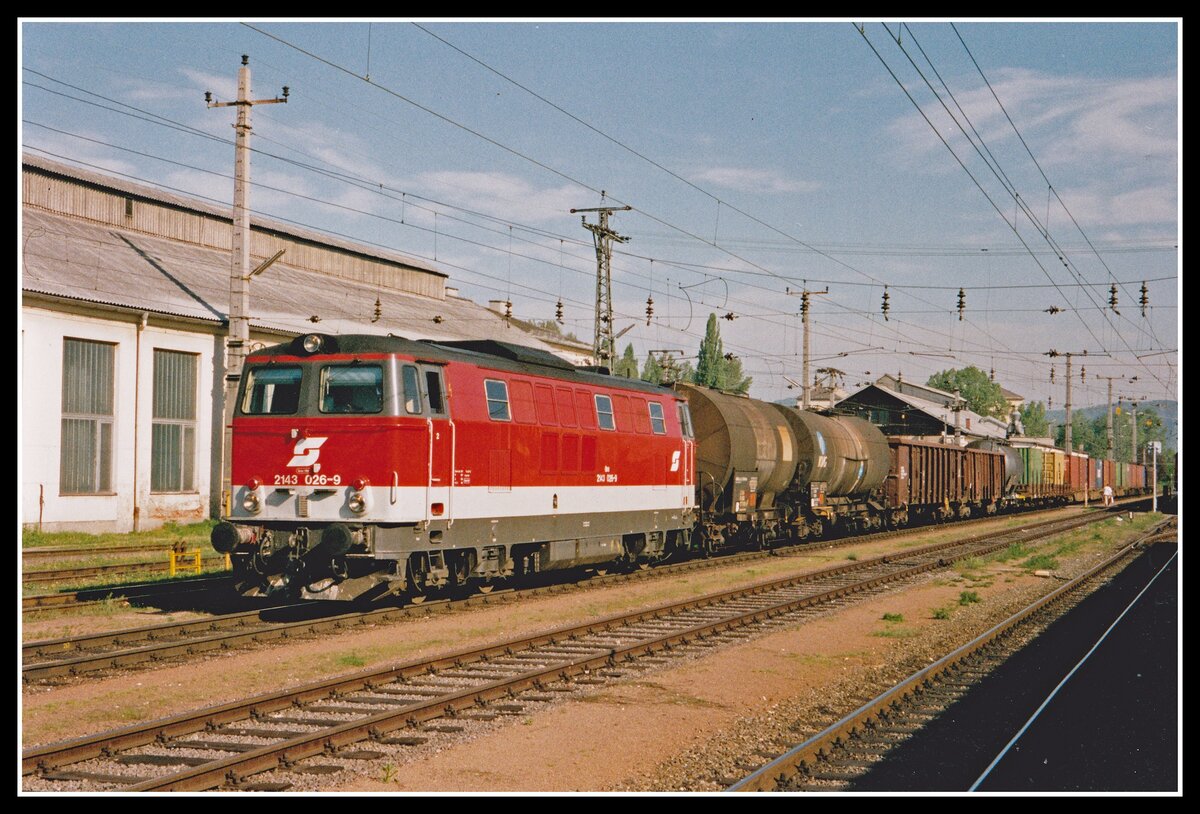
{"points": [[439, 489]]}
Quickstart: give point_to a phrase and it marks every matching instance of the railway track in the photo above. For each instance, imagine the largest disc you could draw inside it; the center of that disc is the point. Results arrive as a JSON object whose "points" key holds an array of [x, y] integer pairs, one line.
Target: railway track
{"points": [[224, 745], [79, 655], [147, 591], [58, 552], [120, 569], [845, 752]]}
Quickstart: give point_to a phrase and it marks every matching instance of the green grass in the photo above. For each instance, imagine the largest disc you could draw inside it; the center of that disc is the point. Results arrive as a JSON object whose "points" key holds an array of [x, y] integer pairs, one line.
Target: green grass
{"points": [[941, 613], [351, 660], [896, 633], [893, 617], [1014, 552], [968, 598], [1041, 562], [852, 556], [194, 535]]}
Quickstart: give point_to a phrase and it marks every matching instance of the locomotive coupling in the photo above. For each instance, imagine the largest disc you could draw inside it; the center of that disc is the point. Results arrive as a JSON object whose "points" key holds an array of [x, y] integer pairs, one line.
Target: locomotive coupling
{"points": [[226, 537]]}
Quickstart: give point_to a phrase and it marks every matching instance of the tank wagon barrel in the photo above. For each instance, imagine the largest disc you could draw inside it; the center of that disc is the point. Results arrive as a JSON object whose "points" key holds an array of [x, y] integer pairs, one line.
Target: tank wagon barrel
{"points": [[766, 471]]}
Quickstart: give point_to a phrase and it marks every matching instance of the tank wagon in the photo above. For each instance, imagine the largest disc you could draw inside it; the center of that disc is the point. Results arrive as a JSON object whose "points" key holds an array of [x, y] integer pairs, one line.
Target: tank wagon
{"points": [[767, 472], [365, 465]]}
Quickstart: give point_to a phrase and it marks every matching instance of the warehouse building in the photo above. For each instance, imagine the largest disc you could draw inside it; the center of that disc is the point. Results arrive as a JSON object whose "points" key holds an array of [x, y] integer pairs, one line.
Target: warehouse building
{"points": [[898, 407], [124, 296]]}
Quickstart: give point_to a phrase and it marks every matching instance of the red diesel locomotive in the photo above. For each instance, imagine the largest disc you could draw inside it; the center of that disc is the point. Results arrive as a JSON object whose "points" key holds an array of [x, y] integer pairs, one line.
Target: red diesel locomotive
{"points": [[366, 465]]}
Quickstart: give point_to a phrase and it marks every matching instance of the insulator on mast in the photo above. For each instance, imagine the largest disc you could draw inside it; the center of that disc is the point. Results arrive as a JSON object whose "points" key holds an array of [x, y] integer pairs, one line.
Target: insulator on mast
{"points": [[649, 309], [558, 312], [378, 310], [1145, 300], [885, 307], [962, 303]]}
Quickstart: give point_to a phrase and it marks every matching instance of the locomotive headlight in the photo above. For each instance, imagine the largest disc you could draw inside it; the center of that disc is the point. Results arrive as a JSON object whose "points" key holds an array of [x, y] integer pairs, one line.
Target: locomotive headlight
{"points": [[357, 502], [251, 502], [312, 343]]}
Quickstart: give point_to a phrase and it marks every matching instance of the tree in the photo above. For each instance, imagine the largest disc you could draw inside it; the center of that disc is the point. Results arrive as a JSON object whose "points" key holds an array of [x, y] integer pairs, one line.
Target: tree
{"points": [[732, 379], [652, 371], [1086, 433], [711, 358], [1033, 418], [713, 369], [551, 326], [981, 394], [627, 365]]}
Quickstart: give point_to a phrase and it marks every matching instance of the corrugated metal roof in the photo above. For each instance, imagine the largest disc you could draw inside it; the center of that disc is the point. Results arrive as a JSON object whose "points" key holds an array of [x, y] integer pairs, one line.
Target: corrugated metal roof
{"points": [[224, 212], [980, 425], [66, 257]]}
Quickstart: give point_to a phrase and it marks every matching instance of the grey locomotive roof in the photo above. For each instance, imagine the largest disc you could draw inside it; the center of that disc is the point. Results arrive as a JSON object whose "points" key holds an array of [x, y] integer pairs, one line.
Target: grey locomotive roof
{"points": [[486, 353], [225, 212], [72, 258]]}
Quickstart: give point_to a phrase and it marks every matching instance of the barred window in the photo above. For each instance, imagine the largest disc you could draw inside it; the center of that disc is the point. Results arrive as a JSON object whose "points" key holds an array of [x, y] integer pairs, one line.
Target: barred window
{"points": [[173, 429], [86, 447]]}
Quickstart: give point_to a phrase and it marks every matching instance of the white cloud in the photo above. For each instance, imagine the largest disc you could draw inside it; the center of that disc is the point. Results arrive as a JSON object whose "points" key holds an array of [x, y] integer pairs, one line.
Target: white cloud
{"points": [[746, 179], [1064, 119], [500, 194], [223, 87], [1102, 207]]}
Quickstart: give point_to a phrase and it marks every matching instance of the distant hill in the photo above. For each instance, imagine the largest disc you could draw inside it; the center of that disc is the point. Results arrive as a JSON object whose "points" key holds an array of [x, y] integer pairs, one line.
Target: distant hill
{"points": [[1167, 409]]}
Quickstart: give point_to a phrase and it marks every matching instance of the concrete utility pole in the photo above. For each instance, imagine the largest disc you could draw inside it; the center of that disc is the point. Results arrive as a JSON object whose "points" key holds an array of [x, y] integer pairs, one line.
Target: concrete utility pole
{"points": [[238, 336], [804, 294], [1110, 446], [604, 347], [1067, 428]]}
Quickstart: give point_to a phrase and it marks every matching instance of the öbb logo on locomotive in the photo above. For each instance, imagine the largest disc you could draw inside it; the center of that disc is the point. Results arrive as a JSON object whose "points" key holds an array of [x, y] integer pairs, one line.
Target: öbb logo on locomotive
{"points": [[466, 464]]}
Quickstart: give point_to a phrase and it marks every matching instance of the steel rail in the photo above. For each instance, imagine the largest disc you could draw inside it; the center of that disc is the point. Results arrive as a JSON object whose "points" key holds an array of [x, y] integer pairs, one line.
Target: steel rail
{"points": [[172, 639], [55, 755], [795, 761]]}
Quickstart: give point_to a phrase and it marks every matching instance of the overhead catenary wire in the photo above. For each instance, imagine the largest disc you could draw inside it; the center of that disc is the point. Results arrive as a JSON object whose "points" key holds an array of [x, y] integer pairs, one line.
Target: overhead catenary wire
{"points": [[632, 279], [962, 165]]}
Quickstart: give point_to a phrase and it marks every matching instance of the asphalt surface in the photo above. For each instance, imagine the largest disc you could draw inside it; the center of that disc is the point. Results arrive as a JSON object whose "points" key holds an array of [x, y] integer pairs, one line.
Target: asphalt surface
{"points": [[1113, 725]]}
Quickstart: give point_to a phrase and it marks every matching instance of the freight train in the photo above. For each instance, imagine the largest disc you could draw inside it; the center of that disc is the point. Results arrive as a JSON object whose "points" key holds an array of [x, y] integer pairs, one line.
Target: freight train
{"points": [[366, 466]]}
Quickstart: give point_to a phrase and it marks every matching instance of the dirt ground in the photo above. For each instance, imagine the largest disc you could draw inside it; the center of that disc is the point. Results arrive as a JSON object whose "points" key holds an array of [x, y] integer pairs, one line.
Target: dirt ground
{"points": [[683, 726]]}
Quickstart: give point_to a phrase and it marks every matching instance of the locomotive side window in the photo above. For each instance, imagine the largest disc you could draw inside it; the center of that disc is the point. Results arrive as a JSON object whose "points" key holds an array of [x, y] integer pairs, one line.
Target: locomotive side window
{"points": [[433, 389], [604, 413], [351, 389], [656, 419], [272, 391], [685, 420], [497, 400], [412, 390]]}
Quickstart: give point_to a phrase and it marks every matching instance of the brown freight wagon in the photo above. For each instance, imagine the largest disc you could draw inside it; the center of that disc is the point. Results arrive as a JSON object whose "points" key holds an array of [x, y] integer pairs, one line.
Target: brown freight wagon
{"points": [[939, 481]]}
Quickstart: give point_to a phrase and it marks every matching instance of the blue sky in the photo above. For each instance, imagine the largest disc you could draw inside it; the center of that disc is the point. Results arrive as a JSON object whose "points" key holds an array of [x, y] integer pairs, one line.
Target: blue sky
{"points": [[756, 155]]}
